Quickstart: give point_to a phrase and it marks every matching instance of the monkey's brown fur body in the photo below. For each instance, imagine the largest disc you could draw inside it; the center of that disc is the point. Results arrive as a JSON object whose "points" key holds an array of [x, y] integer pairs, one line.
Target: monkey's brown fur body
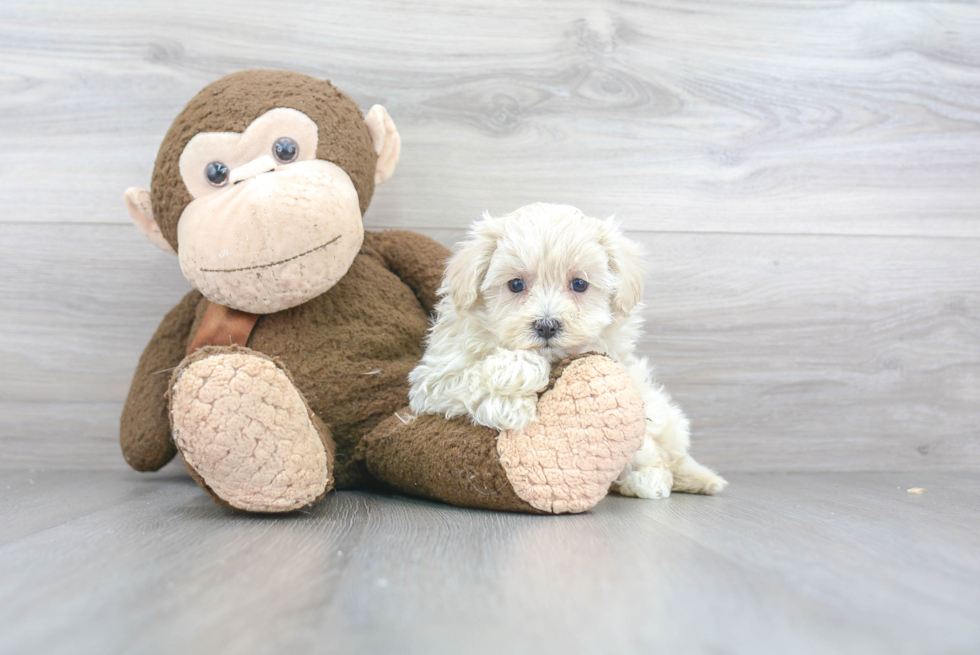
{"points": [[339, 360]]}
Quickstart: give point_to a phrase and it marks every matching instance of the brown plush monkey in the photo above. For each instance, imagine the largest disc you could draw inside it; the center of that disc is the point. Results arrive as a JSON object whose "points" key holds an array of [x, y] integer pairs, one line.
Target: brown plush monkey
{"points": [[283, 374]]}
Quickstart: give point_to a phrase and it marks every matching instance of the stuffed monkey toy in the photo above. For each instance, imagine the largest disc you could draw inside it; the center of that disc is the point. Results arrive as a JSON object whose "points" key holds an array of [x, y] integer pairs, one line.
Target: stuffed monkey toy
{"points": [[283, 374]]}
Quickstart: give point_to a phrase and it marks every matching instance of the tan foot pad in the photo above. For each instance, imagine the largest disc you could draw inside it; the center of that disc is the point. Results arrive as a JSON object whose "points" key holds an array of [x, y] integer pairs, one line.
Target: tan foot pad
{"points": [[589, 426], [243, 427]]}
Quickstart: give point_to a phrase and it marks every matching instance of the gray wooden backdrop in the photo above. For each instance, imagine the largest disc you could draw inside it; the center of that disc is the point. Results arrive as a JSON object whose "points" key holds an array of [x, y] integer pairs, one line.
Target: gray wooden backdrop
{"points": [[805, 176]]}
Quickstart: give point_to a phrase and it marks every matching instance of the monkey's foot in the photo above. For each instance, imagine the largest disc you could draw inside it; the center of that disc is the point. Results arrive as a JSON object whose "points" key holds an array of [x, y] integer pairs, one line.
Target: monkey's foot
{"points": [[246, 433], [589, 425]]}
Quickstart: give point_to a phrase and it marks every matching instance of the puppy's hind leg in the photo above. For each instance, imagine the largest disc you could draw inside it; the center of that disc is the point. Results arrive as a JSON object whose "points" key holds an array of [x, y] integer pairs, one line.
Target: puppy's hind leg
{"points": [[662, 465], [650, 474], [646, 476], [671, 431]]}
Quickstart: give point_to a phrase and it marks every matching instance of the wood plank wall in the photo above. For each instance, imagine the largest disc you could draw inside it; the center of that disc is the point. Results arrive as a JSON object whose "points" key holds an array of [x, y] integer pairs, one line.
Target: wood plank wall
{"points": [[805, 176]]}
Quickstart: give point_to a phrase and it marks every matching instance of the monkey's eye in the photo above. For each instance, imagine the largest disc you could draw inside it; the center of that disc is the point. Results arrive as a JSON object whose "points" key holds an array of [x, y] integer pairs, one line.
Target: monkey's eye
{"points": [[217, 173], [285, 150], [579, 285], [516, 285]]}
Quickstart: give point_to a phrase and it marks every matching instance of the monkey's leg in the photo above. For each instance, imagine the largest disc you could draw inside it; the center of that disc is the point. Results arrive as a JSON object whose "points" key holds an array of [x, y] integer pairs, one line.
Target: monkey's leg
{"points": [[590, 423], [144, 429], [246, 433]]}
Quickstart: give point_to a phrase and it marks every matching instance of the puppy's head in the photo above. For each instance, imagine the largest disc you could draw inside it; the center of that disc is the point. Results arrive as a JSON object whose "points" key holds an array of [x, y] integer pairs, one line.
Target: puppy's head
{"points": [[545, 277]]}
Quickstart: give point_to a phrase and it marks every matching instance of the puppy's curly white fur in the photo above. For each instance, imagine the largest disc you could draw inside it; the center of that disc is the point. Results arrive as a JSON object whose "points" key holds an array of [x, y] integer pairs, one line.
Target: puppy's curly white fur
{"points": [[525, 291]]}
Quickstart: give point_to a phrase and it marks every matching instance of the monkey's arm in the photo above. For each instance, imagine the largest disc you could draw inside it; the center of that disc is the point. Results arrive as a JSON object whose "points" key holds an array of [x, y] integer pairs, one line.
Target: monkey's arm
{"points": [[144, 431], [416, 259]]}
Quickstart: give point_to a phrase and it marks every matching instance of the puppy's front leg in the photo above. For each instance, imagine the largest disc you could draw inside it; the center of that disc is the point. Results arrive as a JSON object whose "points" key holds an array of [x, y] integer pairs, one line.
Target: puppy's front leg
{"points": [[512, 380]]}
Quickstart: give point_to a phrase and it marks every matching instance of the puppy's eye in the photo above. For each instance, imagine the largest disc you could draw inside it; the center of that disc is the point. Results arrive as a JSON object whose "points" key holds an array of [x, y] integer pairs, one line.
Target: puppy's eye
{"points": [[579, 285], [285, 150], [217, 173], [516, 285]]}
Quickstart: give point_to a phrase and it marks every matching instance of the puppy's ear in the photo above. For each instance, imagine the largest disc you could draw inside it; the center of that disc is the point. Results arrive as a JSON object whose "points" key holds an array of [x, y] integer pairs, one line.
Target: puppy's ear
{"points": [[467, 267], [626, 261]]}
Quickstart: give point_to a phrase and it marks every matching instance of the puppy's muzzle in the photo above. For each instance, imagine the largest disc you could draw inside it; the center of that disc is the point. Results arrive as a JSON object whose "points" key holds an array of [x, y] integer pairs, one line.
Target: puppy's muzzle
{"points": [[547, 328]]}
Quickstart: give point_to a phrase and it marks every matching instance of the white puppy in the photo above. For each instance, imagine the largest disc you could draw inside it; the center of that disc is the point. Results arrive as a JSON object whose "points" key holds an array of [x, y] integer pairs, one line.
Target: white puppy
{"points": [[520, 294]]}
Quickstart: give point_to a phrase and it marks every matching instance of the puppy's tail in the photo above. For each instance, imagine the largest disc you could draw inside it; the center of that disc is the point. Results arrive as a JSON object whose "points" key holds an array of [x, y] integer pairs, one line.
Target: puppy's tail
{"points": [[693, 478]]}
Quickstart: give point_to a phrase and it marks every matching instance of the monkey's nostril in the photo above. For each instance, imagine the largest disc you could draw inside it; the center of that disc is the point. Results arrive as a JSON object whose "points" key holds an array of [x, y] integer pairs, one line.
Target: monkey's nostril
{"points": [[547, 328]]}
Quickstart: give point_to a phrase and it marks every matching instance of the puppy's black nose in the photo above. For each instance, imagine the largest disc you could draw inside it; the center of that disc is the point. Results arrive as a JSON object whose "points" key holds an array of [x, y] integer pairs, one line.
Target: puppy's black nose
{"points": [[547, 328]]}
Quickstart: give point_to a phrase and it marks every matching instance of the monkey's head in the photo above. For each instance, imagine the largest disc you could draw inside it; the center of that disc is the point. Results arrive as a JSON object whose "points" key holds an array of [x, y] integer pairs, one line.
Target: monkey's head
{"points": [[260, 185]]}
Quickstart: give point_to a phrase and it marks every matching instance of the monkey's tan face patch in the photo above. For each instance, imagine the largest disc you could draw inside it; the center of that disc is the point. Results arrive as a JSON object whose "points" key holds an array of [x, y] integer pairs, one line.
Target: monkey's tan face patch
{"points": [[238, 152], [274, 240]]}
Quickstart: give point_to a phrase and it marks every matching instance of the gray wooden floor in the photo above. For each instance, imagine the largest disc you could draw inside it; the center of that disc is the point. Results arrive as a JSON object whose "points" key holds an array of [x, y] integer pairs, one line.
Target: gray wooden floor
{"points": [[115, 562], [804, 176]]}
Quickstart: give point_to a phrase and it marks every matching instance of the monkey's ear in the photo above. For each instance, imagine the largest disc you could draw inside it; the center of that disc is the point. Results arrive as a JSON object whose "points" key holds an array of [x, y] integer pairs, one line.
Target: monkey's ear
{"points": [[387, 142], [141, 209]]}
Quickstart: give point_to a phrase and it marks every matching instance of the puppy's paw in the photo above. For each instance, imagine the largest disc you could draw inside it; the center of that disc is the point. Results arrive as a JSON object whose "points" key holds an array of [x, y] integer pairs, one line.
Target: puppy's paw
{"points": [[652, 482], [516, 373], [506, 412]]}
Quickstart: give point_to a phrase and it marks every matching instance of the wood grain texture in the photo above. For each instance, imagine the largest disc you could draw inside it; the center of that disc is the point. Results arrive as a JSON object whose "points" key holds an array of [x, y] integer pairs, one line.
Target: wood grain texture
{"points": [[786, 117], [803, 174], [787, 352], [782, 563]]}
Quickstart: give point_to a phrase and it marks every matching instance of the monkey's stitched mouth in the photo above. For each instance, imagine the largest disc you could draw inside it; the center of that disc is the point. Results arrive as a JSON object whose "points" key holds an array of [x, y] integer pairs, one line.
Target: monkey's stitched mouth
{"points": [[281, 261]]}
